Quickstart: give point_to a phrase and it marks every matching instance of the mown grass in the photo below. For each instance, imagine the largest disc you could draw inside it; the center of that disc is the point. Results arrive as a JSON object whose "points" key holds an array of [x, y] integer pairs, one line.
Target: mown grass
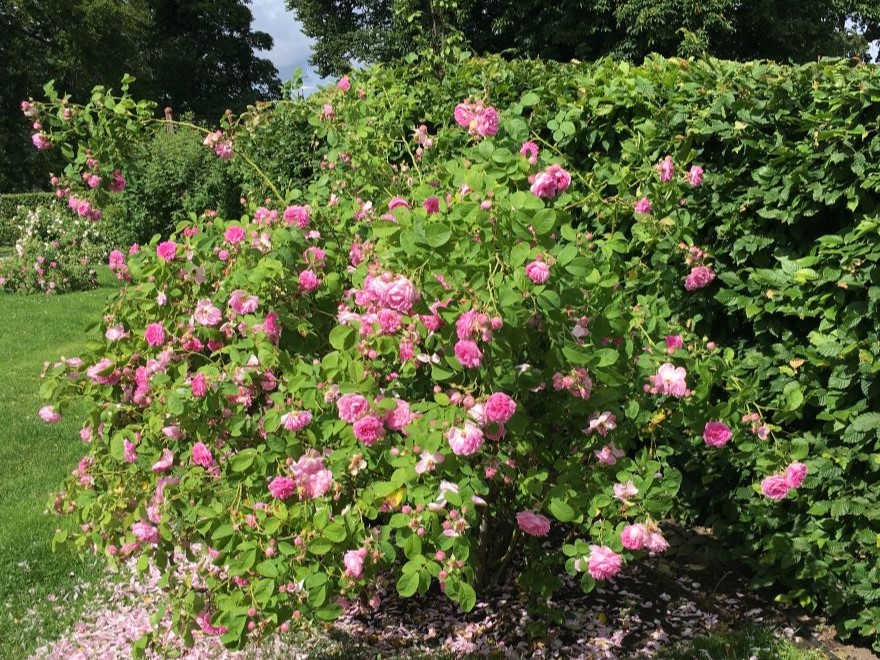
{"points": [[39, 589], [760, 642]]}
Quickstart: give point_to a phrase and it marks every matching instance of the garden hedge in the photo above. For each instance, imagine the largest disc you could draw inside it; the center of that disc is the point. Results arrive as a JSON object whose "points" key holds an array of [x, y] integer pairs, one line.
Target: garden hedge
{"points": [[9, 204]]}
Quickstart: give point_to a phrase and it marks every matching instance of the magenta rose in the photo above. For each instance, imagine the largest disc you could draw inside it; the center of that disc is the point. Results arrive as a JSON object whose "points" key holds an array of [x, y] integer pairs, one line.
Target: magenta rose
{"points": [[634, 537], [538, 272], [716, 434], [352, 407], [155, 334], [282, 488], [369, 429], [775, 487], [499, 408], [167, 251], [795, 474], [699, 278], [145, 532], [468, 353]]}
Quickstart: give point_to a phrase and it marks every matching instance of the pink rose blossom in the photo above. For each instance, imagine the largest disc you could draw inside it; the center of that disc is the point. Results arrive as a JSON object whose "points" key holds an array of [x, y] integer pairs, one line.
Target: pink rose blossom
{"points": [[165, 462], [129, 451], [775, 487], [313, 479], [352, 407], [242, 303], [670, 380], [529, 150], [673, 343], [623, 492], [487, 122], [538, 272], [795, 474], [601, 423], [297, 215], [296, 421], [532, 523], [656, 543], [716, 434], [643, 205], [115, 333], [344, 84], [431, 205], [206, 313], [666, 169], [699, 278], [551, 182], [199, 386], [468, 353], [155, 334], [202, 455], [428, 461], [281, 488], [167, 251], [145, 532], [609, 454], [499, 408], [634, 537], [354, 563], [49, 415], [369, 429], [308, 281], [465, 440], [235, 234], [695, 176], [603, 562], [399, 418]]}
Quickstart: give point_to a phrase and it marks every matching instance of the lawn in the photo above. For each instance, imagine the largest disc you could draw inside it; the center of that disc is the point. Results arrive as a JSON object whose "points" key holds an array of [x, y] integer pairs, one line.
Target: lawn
{"points": [[40, 591]]}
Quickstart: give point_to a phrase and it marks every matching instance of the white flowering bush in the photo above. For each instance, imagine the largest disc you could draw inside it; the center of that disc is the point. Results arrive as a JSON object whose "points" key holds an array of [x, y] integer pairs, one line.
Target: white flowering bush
{"points": [[53, 253]]}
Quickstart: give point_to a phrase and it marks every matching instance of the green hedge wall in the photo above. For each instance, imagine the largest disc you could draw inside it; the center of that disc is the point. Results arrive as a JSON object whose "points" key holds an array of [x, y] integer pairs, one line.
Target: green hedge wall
{"points": [[9, 204]]}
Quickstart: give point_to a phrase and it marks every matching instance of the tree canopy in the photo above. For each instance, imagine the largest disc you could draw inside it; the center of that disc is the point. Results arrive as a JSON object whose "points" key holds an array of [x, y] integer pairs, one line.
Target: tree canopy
{"points": [[193, 55], [350, 31]]}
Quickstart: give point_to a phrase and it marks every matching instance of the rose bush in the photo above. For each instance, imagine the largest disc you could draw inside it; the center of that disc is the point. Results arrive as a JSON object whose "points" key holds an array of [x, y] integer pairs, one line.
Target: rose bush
{"points": [[311, 414]]}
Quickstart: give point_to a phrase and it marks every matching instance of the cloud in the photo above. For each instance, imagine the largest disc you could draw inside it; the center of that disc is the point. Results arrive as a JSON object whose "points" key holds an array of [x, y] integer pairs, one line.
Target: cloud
{"points": [[291, 48]]}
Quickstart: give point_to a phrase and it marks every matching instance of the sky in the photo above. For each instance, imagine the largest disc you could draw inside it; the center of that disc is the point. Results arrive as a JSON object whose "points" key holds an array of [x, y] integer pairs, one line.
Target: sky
{"points": [[291, 48]]}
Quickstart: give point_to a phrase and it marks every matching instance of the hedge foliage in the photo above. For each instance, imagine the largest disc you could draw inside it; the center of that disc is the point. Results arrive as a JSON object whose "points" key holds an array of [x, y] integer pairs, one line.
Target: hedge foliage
{"points": [[792, 160], [9, 205]]}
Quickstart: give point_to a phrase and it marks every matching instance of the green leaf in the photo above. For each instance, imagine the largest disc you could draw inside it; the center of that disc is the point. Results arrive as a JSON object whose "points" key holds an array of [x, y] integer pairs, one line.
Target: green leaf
{"points": [[544, 221], [869, 421], [561, 510], [467, 597], [267, 568], [335, 532], [408, 583], [343, 337]]}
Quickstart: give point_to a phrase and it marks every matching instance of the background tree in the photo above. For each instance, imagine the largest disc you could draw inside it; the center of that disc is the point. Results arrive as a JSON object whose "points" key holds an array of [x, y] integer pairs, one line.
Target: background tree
{"points": [[194, 55], [348, 31]]}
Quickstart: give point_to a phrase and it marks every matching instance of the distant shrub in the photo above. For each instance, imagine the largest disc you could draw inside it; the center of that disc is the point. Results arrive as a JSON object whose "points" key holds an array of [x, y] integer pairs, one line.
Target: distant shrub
{"points": [[9, 211]]}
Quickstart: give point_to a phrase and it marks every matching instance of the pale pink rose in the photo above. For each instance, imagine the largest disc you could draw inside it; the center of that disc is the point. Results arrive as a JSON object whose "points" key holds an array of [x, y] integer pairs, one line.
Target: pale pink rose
{"points": [[206, 313], [795, 474], [145, 532], [499, 408], [49, 415], [282, 488], [468, 353], [609, 454], [354, 563], [695, 176], [463, 115], [775, 487], [369, 429], [532, 523], [202, 456], [538, 272], [656, 543], [399, 418], [165, 462], [477, 412], [699, 278], [85, 434], [155, 334], [428, 461], [529, 150], [601, 423], [551, 182], [115, 333], [666, 169], [352, 407], [465, 440], [400, 294], [487, 122], [167, 251], [670, 380], [603, 562], [296, 421], [242, 303], [312, 477], [643, 205], [623, 492], [716, 434], [235, 234], [634, 537], [173, 432], [41, 141]]}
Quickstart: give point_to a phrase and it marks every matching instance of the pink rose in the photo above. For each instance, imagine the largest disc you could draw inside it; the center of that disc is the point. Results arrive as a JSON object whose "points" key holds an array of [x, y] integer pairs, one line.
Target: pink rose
{"points": [[399, 418], [145, 532], [699, 278], [666, 169], [487, 122], [775, 487], [298, 215], [400, 294], [538, 272], [795, 474], [634, 537], [603, 562], [308, 281], [673, 343], [369, 429], [242, 303], [296, 421], [235, 234], [670, 380], [431, 205], [468, 353], [529, 150], [466, 440], [199, 386], [499, 408], [167, 251], [202, 455], [695, 176], [49, 415], [352, 407], [716, 434], [155, 334], [165, 462], [398, 201], [643, 205], [533, 524], [344, 84], [463, 115], [354, 563], [206, 313], [281, 488], [656, 543]]}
